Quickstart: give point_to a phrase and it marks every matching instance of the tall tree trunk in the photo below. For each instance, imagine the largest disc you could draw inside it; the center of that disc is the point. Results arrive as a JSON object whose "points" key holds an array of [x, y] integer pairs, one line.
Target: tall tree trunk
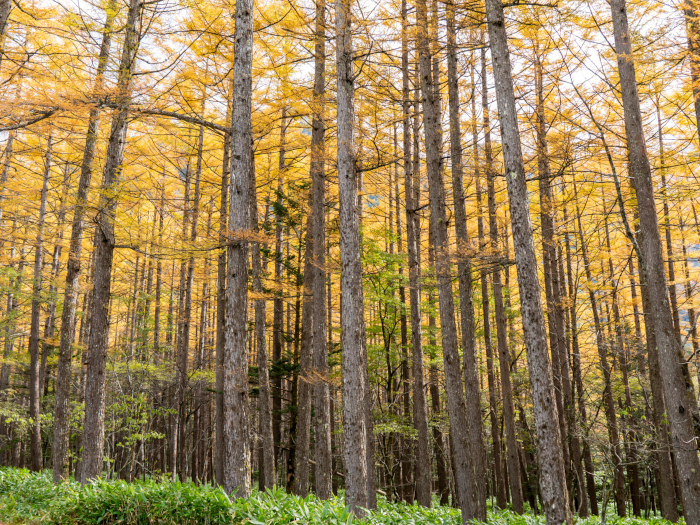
{"points": [[552, 472], [500, 487], [303, 436], [221, 298], [352, 314], [420, 413], [221, 308], [322, 409], [512, 461], [560, 362], [464, 471], [581, 478], [236, 418], [50, 321], [278, 305], [93, 436], [678, 411], [34, 380], [268, 477], [177, 443], [471, 375]]}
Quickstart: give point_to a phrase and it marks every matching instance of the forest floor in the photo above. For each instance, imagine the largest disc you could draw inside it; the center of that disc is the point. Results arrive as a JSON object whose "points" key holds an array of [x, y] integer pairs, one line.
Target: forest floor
{"points": [[27, 498]]}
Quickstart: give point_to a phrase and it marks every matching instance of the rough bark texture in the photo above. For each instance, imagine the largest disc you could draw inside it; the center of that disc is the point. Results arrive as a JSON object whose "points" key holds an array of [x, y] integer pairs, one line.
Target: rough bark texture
{"points": [[236, 413], [322, 409], [93, 425], [305, 386], [420, 411], [352, 308], [455, 394], [268, 477], [581, 478], [221, 308], [500, 488], [35, 393], [512, 461], [471, 375], [553, 489], [5, 10], [678, 409]]}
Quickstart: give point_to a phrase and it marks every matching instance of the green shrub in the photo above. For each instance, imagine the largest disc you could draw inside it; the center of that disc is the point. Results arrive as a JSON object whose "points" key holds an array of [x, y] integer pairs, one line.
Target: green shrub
{"points": [[33, 498]]}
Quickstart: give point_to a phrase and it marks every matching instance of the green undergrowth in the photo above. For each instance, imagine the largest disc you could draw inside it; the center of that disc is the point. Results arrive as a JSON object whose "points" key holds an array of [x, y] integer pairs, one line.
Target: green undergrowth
{"points": [[27, 498]]}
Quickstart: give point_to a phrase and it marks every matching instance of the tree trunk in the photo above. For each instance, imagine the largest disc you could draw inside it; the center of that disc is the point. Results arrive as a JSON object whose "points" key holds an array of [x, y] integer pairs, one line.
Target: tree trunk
{"points": [[552, 472], [420, 413], [500, 487], [512, 461], [305, 388], [678, 406], [464, 472], [236, 417], [93, 436], [268, 477], [352, 314], [581, 478], [278, 305], [37, 463], [322, 409], [221, 308], [471, 376]]}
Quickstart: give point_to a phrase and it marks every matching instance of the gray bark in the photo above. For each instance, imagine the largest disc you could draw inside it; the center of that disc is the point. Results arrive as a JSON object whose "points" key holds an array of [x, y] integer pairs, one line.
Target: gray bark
{"points": [[352, 308], [464, 269], [678, 409], [552, 473], [93, 436], [267, 465], [420, 412], [236, 413], [455, 394], [37, 463], [323, 471], [305, 384], [500, 487]]}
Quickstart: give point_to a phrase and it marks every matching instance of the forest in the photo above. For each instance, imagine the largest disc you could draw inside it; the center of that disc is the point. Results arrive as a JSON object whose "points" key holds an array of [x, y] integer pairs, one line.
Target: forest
{"points": [[359, 261]]}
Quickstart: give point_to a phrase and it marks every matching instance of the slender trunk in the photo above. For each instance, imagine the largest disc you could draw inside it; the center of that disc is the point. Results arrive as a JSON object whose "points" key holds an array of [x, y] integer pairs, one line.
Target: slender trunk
{"points": [[471, 376], [322, 410], [512, 462], [306, 379], [420, 414], [552, 471], [500, 488], [221, 304], [690, 12], [278, 305], [267, 467], [34, 381], [236, 417], [93, 436], [5, 10], [50, 322], [560, 362], [352, 320], [678, 406], [464, 472], [581, 478]]}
